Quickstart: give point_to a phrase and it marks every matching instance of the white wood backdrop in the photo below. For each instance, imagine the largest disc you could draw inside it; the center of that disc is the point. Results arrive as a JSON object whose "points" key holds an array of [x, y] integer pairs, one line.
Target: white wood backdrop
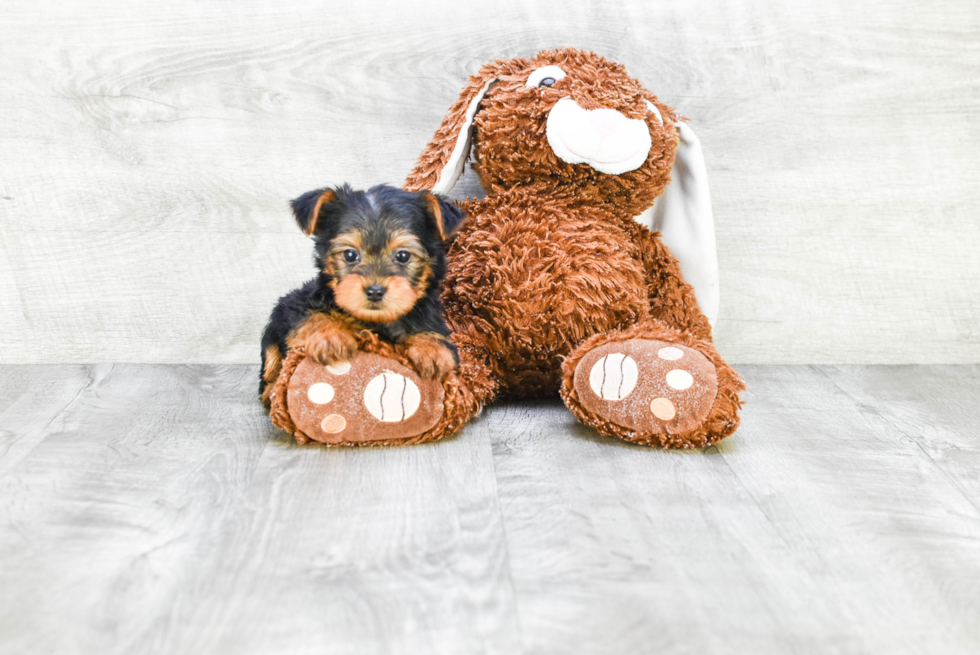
{"points": [[147, 152]]}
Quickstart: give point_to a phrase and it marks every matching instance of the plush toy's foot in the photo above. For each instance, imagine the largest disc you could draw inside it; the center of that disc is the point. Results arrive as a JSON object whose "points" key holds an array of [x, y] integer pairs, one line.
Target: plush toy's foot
{"points": [[372, 400], [647, 385], [653, 391]]}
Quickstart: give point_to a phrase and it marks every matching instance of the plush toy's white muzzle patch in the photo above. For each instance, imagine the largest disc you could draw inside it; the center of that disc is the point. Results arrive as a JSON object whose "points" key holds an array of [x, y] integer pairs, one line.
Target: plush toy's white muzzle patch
{"points": [[602, 138]]}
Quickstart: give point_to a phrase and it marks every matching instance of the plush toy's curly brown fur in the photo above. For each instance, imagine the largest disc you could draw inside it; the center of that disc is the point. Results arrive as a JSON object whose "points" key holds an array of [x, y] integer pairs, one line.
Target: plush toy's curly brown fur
{"points": [[551, 264]]}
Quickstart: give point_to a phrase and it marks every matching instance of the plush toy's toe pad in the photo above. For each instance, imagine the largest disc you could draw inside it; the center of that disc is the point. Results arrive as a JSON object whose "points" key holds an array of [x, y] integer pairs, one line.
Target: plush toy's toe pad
{"points": [[647, 385], [371, 398]]}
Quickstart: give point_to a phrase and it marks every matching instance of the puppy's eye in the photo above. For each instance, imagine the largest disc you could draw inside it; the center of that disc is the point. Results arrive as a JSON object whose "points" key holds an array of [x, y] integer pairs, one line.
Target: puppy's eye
{"points": [[403, 256], [545, 76], [351, 255]]}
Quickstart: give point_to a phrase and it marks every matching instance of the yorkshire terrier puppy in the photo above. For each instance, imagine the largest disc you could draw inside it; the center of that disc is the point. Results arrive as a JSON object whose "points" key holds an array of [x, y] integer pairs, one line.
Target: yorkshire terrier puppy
{"points": [[380, 260]]}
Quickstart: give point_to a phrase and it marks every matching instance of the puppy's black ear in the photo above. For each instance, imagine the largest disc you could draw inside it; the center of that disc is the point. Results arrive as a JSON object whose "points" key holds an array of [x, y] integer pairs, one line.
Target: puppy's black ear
{"points": [[446, 216], [308, 206]]}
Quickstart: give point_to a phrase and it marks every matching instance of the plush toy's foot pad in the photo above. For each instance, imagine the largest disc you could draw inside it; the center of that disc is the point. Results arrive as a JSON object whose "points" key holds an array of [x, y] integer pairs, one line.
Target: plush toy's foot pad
{"points": [[370, 398], [647, 385]]}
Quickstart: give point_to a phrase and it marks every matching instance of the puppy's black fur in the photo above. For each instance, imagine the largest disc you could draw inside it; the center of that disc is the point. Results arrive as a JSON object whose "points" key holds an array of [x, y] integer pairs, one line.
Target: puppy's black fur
{"points": [[375, 214]]}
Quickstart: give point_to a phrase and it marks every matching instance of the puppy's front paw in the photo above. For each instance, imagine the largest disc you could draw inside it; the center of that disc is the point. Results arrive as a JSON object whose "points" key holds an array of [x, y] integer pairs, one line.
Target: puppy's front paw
{"points": [[326, 339], [332, 348], [430, 356]]}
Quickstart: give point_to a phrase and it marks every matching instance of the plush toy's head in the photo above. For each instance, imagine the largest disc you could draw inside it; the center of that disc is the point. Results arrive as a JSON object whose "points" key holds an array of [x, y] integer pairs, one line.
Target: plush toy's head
{"points": [[571, 126], [567, 123]]}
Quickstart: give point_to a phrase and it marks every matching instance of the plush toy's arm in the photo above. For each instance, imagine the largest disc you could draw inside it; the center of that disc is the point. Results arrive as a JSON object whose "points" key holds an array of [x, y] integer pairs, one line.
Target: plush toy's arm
{"points": [[672, 300]]}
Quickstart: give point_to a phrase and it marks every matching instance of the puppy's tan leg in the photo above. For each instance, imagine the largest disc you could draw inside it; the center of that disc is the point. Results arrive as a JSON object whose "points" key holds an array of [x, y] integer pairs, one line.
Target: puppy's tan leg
{"points": [[270, 373], [429, 354], [273, 364], [326, 338]]}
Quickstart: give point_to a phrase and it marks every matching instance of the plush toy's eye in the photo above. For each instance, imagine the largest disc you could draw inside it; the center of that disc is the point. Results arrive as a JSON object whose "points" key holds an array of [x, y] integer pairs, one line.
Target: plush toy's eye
{"points": [[351, 255], [545, 76], [652, 108], [403, 256]]}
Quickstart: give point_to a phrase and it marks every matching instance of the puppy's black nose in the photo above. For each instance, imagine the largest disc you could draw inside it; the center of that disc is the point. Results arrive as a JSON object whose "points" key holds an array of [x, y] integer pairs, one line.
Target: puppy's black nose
{"points": [[375, 292]]}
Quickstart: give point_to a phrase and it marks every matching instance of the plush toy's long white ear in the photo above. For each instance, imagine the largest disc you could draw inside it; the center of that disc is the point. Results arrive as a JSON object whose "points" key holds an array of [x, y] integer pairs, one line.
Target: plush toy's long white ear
{"points": [[686, 224], [441, 163], [457, 159]]}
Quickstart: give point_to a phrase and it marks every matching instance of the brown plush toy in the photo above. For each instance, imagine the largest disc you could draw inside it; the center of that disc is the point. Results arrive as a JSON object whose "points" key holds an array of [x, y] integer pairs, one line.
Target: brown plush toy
{"points": [[553, 284]]}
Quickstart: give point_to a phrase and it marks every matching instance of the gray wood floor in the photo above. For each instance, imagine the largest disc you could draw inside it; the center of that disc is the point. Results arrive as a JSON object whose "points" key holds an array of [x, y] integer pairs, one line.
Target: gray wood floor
{"points": [[152, 509]]}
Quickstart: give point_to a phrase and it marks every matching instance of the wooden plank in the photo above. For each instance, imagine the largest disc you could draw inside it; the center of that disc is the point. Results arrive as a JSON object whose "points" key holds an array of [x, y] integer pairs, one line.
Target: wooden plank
{"points": [[146, 158], [33, 401], [623, 549], [818, 527], [356, 551], [107, 516], [933, 410], [889, 542], [164, 514]]}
